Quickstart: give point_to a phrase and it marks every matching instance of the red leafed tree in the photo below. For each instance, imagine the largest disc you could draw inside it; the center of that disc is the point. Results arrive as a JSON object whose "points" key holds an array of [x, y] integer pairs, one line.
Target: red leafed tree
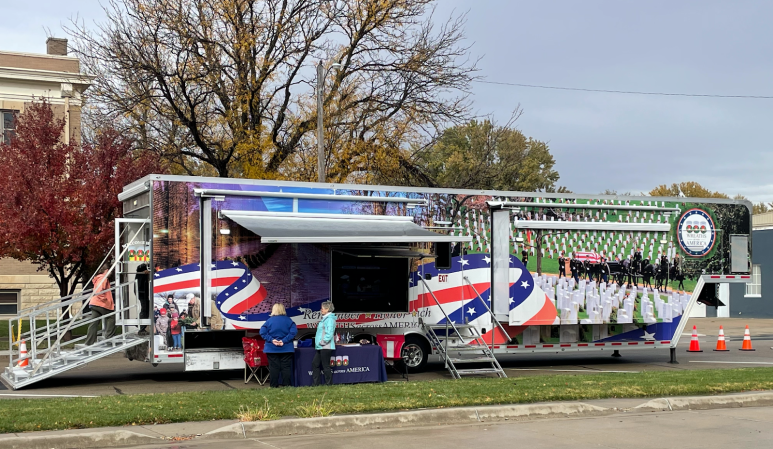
{"points": [[58, 200]]}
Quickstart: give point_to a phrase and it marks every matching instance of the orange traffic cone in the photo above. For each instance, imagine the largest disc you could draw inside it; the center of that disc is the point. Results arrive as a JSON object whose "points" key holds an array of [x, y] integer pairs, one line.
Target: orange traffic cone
{"points": [[721, 346], [747, 340], [23, 360], [695, 345]]}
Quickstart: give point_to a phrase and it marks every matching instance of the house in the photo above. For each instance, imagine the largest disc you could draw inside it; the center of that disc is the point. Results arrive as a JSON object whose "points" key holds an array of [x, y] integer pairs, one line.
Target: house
{"points": [[25, 77], [751, 300]]}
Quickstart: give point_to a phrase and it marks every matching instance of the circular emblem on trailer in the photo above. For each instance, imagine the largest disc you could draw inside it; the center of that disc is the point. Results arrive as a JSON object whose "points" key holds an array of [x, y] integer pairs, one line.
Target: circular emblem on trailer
{"points": [[696, 233]]}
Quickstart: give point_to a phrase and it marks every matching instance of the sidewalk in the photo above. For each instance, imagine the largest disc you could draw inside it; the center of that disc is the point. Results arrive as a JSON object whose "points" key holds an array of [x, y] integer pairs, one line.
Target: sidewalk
{"points": [[232, 429]]}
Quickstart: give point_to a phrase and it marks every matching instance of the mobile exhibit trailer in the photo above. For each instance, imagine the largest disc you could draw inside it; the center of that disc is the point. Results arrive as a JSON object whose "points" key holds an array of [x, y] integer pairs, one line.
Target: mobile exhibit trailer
{"points": [[441, 267]]}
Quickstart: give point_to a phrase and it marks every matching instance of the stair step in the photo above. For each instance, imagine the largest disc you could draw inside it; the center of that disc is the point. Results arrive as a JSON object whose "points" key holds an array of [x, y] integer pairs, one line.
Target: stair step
{"points": [[471, 360], [480, 371], [466, 348], [450, 328]]}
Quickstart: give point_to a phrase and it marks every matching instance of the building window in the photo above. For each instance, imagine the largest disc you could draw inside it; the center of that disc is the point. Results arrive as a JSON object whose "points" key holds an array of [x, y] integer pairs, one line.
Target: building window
{"points": [[9, 302], [754, 288], [7, 125]]}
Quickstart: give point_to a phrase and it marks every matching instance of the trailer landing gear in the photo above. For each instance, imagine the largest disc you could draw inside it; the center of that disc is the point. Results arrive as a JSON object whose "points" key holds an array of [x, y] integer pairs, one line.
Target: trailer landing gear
{"points": [[616, 353], [673, 356]]}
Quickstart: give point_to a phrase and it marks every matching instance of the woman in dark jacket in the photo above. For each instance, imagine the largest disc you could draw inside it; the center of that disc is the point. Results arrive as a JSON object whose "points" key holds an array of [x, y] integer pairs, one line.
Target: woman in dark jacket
{"points": [[279, 331]]}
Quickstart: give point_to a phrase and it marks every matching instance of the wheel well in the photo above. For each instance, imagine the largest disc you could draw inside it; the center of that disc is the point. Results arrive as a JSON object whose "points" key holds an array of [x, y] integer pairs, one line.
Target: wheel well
{"points": [[420, 337]]}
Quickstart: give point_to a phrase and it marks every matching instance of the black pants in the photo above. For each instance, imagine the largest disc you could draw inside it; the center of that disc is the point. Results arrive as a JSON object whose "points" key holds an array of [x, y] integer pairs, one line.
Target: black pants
{"points": [[280, 363], [322, 357], [144, 312], [561, 272]]}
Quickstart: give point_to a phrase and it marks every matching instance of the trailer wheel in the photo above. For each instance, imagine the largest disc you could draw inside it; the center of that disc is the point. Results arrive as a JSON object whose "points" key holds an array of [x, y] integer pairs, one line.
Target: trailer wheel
{"points": [[415, 352]]}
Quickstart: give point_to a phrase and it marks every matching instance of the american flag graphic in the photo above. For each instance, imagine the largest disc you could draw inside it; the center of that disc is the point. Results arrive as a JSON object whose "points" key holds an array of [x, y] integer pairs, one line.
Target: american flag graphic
{"points": [[235, 287], [590, 256], [528, 304]]}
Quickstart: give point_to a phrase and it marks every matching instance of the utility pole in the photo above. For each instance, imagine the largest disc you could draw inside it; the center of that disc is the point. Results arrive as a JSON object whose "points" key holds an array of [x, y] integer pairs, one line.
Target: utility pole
{"points": [[320, 130]]}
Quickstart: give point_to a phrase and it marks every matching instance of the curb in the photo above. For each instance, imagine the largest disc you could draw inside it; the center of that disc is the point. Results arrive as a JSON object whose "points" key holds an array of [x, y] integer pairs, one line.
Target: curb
{"points": [[106, 437], [706, 402], [95, 439], [461, 415]]}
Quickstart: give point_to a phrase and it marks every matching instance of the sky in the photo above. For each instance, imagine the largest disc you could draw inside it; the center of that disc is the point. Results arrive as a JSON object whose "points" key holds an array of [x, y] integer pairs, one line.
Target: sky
{"points": [[627, 143]]}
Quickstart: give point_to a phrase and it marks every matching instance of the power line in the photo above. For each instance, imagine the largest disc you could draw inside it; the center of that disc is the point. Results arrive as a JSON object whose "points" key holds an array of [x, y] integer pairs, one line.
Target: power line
{"points": [[630, 92]]}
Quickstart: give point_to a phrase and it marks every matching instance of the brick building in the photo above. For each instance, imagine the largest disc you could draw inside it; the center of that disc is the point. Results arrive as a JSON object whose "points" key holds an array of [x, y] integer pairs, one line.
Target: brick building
{"points": [[24, 78]]}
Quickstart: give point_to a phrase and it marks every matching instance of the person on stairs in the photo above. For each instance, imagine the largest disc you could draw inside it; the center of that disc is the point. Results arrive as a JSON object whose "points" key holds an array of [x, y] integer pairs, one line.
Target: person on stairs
{"points": [[143, 295], [101, 304]]}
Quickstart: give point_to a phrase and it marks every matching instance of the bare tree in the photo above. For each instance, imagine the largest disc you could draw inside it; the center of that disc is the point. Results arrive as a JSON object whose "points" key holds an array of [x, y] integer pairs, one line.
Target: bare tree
{"points": [[226, 86]]}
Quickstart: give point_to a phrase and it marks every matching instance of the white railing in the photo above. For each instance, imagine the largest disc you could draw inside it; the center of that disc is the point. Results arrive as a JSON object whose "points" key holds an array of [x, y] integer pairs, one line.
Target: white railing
{"points": [[45, 345]]}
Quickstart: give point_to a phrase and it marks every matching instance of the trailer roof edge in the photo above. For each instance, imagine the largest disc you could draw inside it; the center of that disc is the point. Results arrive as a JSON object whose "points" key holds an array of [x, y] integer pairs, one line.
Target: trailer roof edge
{"points": [[511, 193]]}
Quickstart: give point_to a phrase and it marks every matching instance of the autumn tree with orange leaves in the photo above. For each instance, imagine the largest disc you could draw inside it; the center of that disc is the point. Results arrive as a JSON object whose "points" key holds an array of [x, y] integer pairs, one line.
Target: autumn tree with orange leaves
{"points": [[226, 87]]}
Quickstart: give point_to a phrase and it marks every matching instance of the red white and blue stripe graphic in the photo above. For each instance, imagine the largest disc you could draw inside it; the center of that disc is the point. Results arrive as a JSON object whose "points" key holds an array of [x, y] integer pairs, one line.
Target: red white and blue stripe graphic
{"points": [[528, 304], [236, 288]]}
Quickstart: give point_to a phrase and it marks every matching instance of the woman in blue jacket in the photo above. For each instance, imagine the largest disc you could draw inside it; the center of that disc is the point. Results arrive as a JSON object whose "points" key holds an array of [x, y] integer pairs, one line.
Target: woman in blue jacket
{"points": [[324, 343], [279, 331]]}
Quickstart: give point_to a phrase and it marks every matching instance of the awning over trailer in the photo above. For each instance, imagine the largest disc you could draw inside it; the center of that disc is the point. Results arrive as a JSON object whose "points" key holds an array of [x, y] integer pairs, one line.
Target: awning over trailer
{"points": [[287, 227]]}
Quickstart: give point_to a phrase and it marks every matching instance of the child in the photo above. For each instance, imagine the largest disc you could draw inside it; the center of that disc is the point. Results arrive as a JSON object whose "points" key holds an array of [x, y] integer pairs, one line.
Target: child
{"points": [[162, 323], [176, 327]]}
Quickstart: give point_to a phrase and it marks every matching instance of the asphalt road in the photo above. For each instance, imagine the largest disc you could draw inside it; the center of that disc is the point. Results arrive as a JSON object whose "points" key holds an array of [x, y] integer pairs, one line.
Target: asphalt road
{"points": [[725, 428], [117, 375]]}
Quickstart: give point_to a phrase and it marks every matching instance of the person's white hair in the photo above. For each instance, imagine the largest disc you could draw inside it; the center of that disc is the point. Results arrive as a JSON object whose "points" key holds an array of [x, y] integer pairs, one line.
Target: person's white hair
{"points": [[328, 305]]}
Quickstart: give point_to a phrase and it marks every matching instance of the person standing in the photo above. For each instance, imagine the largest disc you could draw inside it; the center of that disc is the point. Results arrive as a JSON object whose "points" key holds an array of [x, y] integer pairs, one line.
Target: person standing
{"points": [[605, 271], [162, 323], [324, 344], [574, 265], [279, 331], [562, 266], [101, 304], [175, 328], [143, 295], [679, 271], [194, 308]]}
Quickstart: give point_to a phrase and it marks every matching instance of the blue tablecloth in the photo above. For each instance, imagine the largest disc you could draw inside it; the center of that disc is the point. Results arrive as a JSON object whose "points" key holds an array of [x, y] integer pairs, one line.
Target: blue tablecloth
{"points": [[354, 364]]}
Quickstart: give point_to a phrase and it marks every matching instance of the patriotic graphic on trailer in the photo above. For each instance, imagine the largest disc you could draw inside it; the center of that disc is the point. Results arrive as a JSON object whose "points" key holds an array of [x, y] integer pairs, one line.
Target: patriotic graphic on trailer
{"points": [[696, 233], [235, 287]]}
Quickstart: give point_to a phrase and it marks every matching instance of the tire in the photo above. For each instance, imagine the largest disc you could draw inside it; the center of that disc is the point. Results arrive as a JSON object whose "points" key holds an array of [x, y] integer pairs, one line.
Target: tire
{"points": [[415, 352]]}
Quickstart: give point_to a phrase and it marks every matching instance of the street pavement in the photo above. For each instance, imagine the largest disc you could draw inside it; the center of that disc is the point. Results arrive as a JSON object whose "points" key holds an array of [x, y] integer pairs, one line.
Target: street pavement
{"points": [[720, 428], [116, 375]]}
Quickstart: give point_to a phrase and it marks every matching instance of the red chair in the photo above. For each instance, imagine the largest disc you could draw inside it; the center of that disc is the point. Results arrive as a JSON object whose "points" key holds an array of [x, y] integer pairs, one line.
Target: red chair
{"points": [[392, 347], [255, 360]]}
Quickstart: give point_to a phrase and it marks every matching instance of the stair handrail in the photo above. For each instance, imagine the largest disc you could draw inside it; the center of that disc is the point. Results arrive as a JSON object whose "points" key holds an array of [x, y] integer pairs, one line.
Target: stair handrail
{"points": [[57, 343], [487, 308], [29, 315], [83, 290], [448, 320]]}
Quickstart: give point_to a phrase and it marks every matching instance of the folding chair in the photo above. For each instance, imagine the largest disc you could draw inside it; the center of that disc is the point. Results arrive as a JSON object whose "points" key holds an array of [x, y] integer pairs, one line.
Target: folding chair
{"points": [[392, 348], [256, 362]]}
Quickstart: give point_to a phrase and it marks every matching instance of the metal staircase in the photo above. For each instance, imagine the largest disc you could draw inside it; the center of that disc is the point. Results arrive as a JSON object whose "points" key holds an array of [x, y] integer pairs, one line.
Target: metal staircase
{"points": [[462, 344], [463, 349], [48, 355]]}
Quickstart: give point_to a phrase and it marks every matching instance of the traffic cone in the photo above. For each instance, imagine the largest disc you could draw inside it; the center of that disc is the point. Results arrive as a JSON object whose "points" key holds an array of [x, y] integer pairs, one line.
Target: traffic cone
{"points": [[721, 346], [747, 340], [695, 345], [23, 360]]}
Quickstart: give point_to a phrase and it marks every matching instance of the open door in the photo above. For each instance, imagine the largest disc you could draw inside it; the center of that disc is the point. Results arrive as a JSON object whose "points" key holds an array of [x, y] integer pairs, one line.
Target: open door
{"points": [[137, 253]]}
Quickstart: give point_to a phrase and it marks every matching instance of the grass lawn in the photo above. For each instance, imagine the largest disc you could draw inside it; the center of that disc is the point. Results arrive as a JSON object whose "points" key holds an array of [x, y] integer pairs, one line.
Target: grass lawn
{"points": [[48, 414]]}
